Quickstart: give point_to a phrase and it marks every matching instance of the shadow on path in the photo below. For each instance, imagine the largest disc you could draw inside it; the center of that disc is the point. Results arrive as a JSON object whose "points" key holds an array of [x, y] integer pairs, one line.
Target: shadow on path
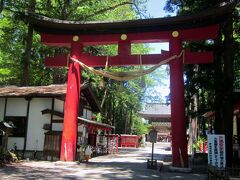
{"points": [[130, 163]]}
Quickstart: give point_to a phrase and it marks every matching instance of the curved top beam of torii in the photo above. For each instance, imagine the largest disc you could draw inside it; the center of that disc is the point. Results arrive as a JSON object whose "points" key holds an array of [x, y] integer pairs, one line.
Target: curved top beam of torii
{"points": [[194, 27], [55, 26]]}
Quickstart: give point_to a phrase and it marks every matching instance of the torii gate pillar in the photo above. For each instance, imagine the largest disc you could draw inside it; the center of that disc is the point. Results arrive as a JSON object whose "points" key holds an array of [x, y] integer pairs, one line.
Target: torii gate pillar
{"points": [[69, 136], [178, 120]]}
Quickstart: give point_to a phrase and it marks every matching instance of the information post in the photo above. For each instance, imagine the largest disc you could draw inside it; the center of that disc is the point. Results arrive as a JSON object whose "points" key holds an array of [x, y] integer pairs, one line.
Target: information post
{"points": [[151, 163]]}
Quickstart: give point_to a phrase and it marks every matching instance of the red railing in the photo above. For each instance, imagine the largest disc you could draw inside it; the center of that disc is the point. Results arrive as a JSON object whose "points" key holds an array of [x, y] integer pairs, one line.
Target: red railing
{"points": [[129, 141]]}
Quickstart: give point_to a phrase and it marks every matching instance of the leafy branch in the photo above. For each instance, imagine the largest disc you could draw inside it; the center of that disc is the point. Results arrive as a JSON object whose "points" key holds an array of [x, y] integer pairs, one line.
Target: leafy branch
{"points": [[110, 8]]}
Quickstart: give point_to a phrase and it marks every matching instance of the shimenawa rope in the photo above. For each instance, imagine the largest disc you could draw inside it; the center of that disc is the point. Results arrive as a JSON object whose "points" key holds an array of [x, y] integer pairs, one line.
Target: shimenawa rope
{"points": [[123, 76]]}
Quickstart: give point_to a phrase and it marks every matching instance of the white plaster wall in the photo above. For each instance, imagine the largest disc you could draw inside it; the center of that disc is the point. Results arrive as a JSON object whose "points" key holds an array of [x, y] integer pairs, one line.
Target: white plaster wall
{"points": [[2, 104], [56, 117], [16, 107], [58, 105], [18, 140], [57, 126], [35, 135]]}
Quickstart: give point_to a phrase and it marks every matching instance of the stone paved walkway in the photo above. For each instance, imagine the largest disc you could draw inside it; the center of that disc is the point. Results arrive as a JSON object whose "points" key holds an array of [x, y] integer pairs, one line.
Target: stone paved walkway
{"points": [[128, 164]]}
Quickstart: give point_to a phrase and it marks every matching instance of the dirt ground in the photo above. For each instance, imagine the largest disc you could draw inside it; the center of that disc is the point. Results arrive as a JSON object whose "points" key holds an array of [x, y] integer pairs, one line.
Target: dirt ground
{"points": [[130, 163]]}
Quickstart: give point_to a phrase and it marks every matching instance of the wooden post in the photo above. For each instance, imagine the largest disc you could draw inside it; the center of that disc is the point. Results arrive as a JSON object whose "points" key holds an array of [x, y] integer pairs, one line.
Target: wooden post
{"points": [[179, 138], [69, 135]]}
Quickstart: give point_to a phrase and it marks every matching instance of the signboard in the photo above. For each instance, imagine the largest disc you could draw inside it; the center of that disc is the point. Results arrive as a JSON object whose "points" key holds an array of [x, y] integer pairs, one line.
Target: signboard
{"points": [[216, 150], [153, 136]]}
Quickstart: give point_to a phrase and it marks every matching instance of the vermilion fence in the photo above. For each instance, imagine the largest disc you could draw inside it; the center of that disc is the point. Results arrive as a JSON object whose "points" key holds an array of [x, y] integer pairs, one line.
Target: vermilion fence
{"points": [[129, 140]]}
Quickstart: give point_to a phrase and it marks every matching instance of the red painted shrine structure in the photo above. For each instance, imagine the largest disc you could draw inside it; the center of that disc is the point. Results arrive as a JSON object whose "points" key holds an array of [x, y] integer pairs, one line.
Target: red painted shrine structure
{"points": [[175, 30]]}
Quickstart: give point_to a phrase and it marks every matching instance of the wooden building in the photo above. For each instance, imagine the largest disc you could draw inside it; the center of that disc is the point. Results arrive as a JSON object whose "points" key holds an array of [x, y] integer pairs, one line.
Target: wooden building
{"points": [[159, 116], [37, 113]]}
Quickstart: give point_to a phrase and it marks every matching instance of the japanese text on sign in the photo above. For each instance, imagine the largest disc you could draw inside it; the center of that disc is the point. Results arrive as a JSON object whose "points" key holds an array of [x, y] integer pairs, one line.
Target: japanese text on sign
{"points": [[216, 150]]}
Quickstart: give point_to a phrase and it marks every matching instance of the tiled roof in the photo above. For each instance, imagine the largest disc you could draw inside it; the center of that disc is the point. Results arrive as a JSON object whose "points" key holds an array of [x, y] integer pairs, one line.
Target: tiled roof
{"points": [[156, 110], [55, 90]]}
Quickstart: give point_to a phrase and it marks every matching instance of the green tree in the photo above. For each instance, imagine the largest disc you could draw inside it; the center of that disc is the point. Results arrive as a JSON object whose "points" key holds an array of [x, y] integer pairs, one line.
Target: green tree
{"points": [[22, 40], [21, 54]]}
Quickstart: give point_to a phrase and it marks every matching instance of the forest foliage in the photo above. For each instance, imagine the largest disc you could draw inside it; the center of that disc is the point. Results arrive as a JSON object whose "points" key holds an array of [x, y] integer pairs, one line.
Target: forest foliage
{"points": [[22, 54]]}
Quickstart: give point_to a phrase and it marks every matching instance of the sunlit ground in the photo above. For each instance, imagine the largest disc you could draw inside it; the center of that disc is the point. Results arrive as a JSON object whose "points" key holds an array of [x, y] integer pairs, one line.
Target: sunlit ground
{"points": [[130, 163]]}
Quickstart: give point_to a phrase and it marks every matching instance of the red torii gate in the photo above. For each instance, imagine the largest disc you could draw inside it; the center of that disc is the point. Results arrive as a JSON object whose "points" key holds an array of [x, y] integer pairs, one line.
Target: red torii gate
{"points": [[175, 30]]}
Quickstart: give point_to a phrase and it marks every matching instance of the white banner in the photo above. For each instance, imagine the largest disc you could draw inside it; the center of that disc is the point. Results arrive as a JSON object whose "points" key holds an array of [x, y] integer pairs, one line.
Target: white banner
{"points": [[216, 150]]}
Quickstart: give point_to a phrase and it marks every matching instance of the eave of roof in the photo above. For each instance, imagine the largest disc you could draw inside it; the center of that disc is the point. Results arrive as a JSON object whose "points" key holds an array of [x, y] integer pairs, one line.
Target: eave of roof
{"points": [[155, 115], [49, 91], [33, 91], [56, 26]]}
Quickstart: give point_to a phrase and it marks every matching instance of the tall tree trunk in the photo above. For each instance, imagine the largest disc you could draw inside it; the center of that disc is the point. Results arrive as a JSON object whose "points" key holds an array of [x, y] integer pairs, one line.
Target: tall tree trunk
{"points": [[104, 97], [125, 120], [118, 119], [228, 77], [224, 94], [113, 114], [2, 2], [202, 109], [218, 81], [109, 112], [195, 123], [131, 121], [27, 53]]}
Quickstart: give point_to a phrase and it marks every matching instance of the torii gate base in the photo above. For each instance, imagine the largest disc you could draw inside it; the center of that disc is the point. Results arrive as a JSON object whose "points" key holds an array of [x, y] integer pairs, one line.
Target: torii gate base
{"points": [[142, 33]]}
